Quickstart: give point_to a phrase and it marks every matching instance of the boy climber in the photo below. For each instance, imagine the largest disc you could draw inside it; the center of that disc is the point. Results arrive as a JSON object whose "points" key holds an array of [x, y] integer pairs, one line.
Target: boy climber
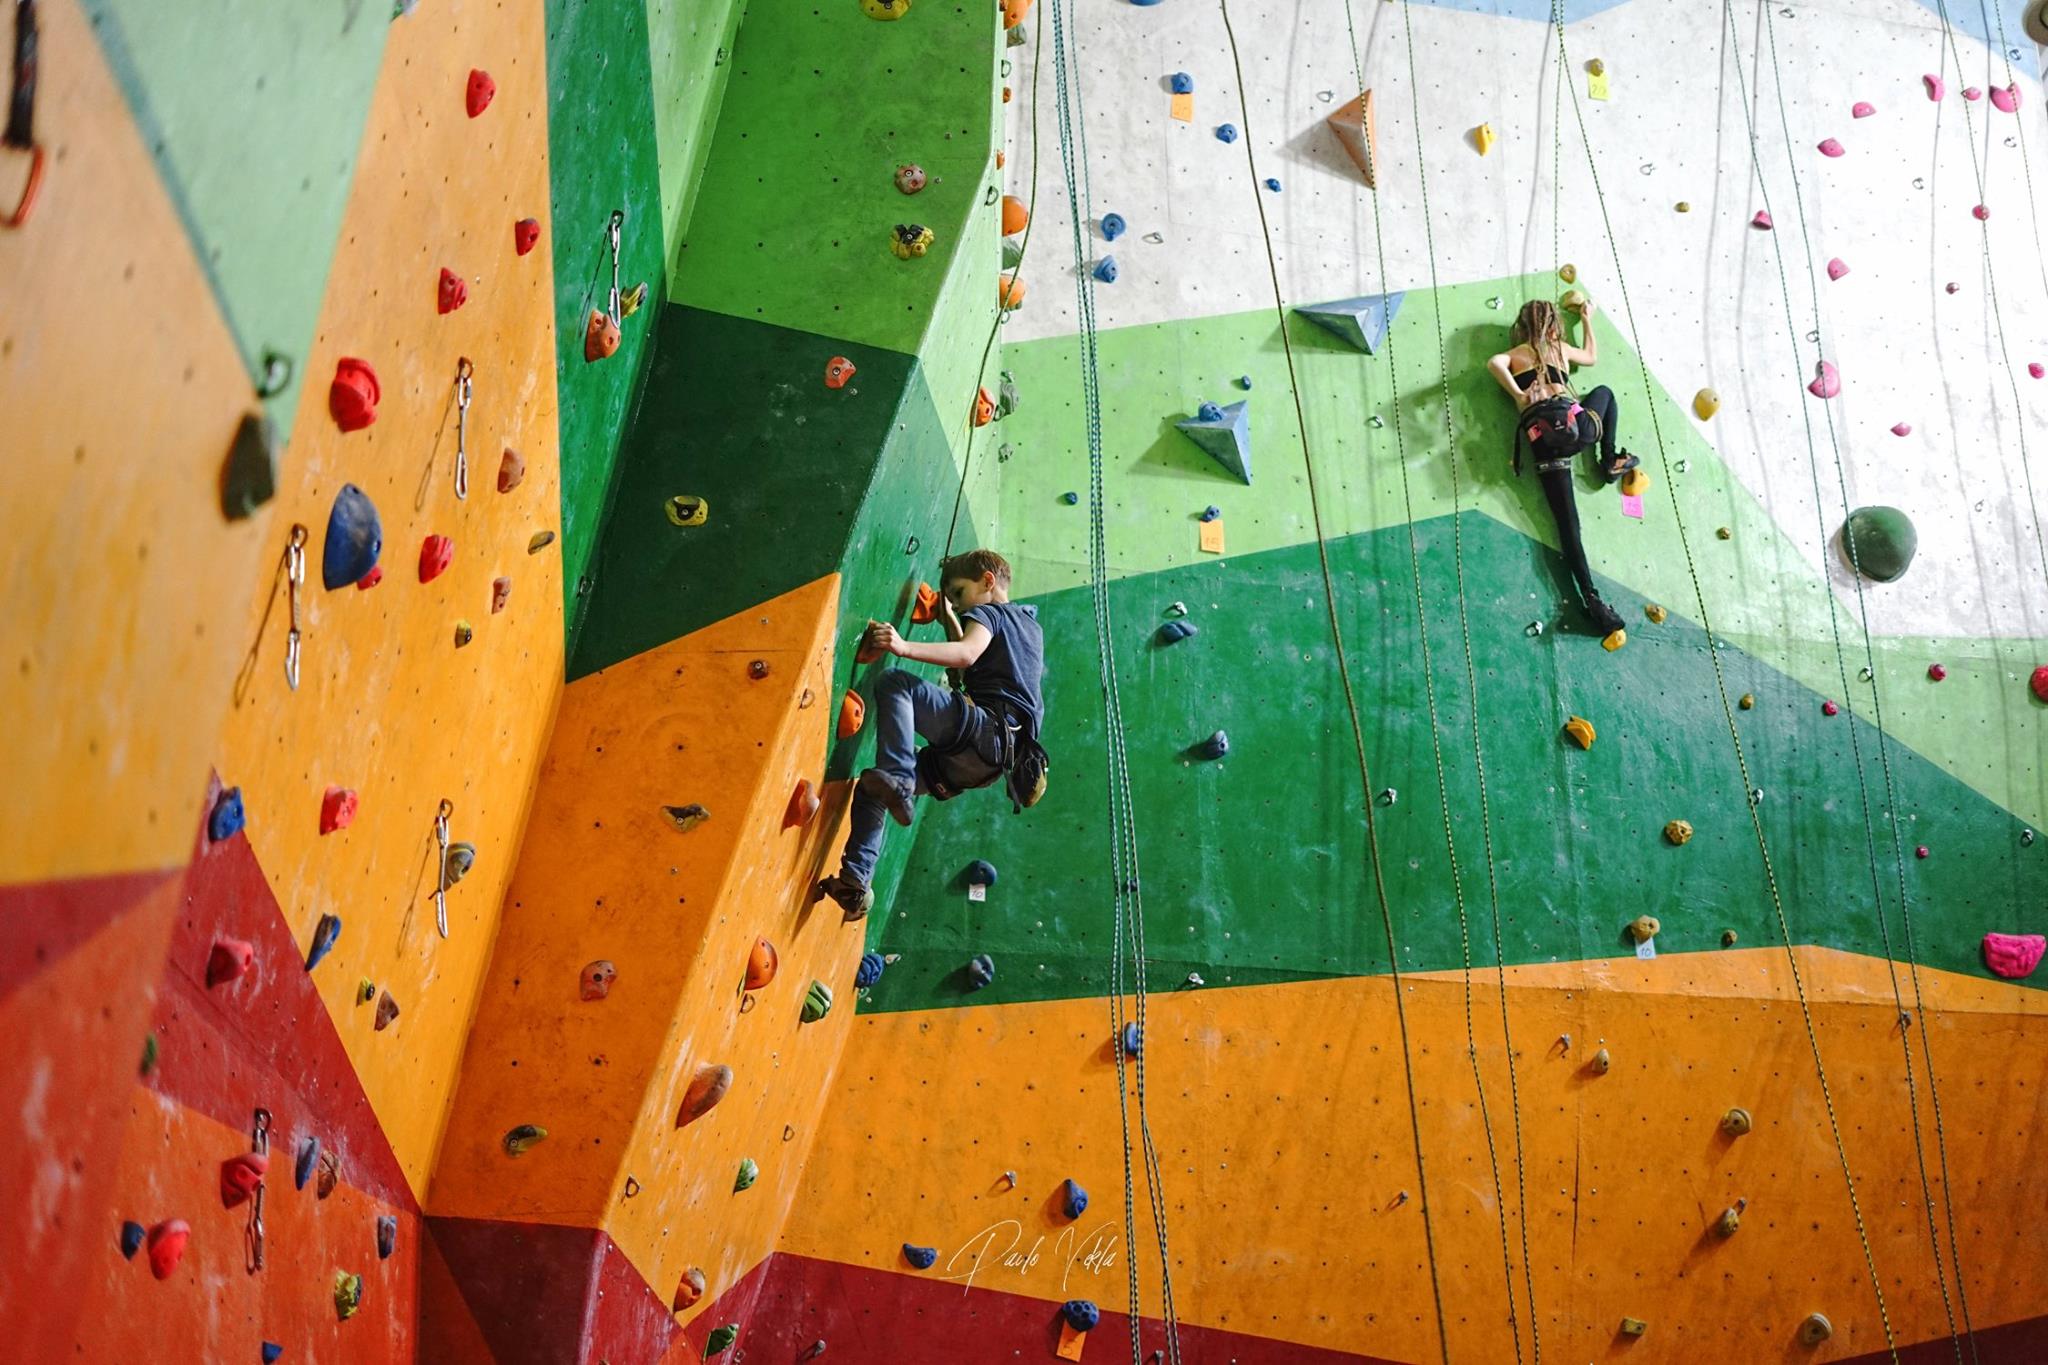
{"points": [[983, 732]]}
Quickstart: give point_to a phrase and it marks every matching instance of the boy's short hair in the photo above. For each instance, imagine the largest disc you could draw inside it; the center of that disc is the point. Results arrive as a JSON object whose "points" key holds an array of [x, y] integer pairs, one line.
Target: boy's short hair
{"points": [[972, 564]]}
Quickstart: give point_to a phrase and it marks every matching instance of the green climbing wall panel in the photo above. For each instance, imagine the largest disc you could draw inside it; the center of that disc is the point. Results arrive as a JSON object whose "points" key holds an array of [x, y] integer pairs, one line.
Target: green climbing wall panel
{"points": [[1254, 868], [689, 44]]}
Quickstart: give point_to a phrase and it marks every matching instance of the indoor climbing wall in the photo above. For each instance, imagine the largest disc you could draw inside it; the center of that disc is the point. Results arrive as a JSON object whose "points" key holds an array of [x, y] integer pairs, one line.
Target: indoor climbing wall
{"points": [[1342, 963]]}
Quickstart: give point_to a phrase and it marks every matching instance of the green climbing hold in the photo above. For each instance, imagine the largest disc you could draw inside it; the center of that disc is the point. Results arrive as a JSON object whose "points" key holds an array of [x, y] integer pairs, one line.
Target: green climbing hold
{"points": [[749, 1173], [348, 1295], [148, 1053], [1880, 541], [721, 1338], [817, 1002]]}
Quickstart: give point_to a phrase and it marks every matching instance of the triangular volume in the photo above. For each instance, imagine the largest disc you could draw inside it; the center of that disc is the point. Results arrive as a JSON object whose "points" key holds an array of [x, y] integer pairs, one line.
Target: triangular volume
{"points": [[1361, 321], [1358, 129], [1225, 435]]}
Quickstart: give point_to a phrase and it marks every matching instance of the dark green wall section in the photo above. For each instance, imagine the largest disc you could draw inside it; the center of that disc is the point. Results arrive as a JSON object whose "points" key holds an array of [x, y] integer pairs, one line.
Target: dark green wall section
{"points": [[601, 156], [1254, 868], [802, 481]]}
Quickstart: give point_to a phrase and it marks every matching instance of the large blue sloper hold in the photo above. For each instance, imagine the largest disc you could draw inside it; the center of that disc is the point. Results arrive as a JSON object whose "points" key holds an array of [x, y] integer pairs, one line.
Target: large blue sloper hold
{"points": [[870, 970], [325, 936], [1173, 632], [1073, 1198], [1224, 434], [1081, 1314], [920, 1258], [227, 817], [1361, 321], [355, 537]]}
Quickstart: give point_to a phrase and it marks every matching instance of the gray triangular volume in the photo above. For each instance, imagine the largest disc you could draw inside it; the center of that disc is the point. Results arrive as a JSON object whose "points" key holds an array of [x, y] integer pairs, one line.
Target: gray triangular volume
{"points": [[1362, 321], [1226, 439]]}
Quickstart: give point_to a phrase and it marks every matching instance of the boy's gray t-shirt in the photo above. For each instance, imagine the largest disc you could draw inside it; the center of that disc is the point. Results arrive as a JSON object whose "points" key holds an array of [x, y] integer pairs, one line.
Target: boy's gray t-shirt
{"points": [[1009, 671]]}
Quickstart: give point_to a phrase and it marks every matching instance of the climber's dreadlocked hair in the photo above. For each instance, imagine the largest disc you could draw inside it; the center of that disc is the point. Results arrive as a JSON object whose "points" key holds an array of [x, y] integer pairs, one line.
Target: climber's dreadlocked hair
{"points": [[1538, 326]]}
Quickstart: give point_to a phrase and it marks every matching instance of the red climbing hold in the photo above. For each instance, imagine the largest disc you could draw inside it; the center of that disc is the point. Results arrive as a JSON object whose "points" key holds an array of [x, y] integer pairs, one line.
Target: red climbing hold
{"points": [[370, 579], [984, 408], [240, 1175], [477, 97], [803, 804], [1921, 852], [229, 960], [2039, 682], [436, 554], [501, 593], [1762, 220], [2013, 955], [1936, 672], [511, 469], [1828, 708], [353, 396], [1980, 213], [600, 336], [525, 233], [337, 809], [837, 371], [926, 609], [2036, 368], [167, 1246], [454, 291], [1862, 109]]}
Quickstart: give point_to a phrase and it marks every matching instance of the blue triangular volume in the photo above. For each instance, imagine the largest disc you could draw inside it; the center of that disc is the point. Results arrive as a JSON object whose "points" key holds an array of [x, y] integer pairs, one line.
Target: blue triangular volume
{"points": [[1361, 321], [1226, 437]]}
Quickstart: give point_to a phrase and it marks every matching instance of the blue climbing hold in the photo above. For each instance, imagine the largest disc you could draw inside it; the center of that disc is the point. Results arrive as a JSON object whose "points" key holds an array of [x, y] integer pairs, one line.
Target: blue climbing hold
{"points": [[1070, 498], [1183, 83], [869, 971], [981, 872], [271, 1352], [1073, 1198], [1272, 184], [355, 537], [131, 1239], [920, 1258], [1215, 746], [1173, 632], [1081, 1314], [981, 971], [1211, 512], [1226, 132], [387, 1235], [1112, 226], [1134, 1039], [307, 1159], [227, 817], [1105, 270], [325, 934], [1224, 434], [1144, 4], [1361, 321]]}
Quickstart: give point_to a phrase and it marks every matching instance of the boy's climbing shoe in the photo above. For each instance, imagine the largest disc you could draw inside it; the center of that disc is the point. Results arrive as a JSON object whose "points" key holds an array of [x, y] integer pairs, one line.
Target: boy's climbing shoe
{"points": [[853, 898], [1622, 463], [892, 794], [1606, 618]]}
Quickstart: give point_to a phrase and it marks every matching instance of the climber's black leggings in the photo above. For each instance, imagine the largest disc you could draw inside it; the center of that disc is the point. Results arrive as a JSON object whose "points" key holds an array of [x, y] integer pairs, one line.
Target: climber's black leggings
{"points": [[1557, 487]]}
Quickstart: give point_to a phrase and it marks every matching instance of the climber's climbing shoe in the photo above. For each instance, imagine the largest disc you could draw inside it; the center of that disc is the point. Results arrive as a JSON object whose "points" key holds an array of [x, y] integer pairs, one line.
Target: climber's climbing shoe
{"points": [[893, 794], [1621, 464], [853, 898]]}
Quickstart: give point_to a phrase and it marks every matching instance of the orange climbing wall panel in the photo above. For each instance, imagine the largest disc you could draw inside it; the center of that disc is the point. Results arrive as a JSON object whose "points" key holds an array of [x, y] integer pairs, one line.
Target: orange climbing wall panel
{"points": [[120, 582], [1295, 1095], [605, 875], [387, 704]]}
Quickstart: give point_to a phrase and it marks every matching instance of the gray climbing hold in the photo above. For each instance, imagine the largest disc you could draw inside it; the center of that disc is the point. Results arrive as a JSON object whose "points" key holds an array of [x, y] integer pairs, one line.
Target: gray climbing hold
{"points": [[249, 478], [1225, 437], [387, 1236], [1244, 381], [1883, 540], [981, 971], [1361, 321], [1013, 253], [1173, 632]]}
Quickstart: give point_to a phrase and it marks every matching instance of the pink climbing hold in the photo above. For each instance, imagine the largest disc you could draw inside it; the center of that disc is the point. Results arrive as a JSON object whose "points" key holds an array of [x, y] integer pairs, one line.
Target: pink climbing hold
{"points": [[1830, 147], [1902, 428], [2036, 369], [1980, 213], [2013, 955], [1827, 381], [1837, 268], [452, 292], [1936, 672], [1828, 708], [167, 1247], [229, 960], [436, 554], [1952, 287], [337, 809], [1920, 852], [1936, 87], [240, 1175], [1972, 93], [1762, 220], [2006, 99], [2039, 682], [1863, 109]]}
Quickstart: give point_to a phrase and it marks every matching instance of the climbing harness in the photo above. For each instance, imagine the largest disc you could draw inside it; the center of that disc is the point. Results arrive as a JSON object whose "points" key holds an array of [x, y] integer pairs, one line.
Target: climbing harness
{"points": [[252, 1235], [447, 808], [19, 132], [463, 390], [1867, 674], [1551, 429], [295, 579]]}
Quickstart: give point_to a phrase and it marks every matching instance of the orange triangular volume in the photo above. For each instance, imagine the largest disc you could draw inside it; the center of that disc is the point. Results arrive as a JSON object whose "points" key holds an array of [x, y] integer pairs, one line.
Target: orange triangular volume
{"points": [[1358, 129]]}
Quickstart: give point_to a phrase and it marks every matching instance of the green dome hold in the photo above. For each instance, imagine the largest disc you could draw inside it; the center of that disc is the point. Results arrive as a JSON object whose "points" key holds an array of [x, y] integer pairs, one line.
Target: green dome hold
{"points": [[1884, 542]]}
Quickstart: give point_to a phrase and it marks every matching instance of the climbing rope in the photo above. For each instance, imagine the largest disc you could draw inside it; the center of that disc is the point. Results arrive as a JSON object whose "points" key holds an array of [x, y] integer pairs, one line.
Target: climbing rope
{"points": [[1350, 700], [2006, 53], [1128, 927], [1721, 686], [1002, 312]]}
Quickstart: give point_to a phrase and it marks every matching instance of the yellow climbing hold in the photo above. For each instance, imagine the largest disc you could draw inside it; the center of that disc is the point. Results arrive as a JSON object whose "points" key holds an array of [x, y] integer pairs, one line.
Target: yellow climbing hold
{"points": [[1705, 404], [1581, 731], [1655, 613], [1601, 1062], [1736, 1122], [1482, 138], [1568, 272], [1682, 206], [1748, 701], [1614, 640], [685, 510], [1596, 67], [1633, 1327], [1573, 300], [1723, 533], [1643, 928], [886, 10], [1678, 831], [1634, 483]]}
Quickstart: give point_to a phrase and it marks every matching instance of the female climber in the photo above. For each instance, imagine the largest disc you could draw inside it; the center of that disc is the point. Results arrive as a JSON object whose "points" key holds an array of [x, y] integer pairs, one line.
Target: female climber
{"points": [[1558, 424]]}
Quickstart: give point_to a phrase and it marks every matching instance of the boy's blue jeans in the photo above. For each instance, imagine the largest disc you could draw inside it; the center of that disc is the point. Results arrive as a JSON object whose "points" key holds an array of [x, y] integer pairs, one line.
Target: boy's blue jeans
{"points": [[906, 707]]}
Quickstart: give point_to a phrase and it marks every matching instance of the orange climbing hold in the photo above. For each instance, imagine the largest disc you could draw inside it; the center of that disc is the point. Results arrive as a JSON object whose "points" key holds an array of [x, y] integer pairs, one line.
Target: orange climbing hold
{"points": [[984, 408], [1014, 12], [1016, 217], [600, 336], [1010, 292], [707, 1088], [761, 964], [803, 804], [926, 609], [853, 712], [837, 371]]}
